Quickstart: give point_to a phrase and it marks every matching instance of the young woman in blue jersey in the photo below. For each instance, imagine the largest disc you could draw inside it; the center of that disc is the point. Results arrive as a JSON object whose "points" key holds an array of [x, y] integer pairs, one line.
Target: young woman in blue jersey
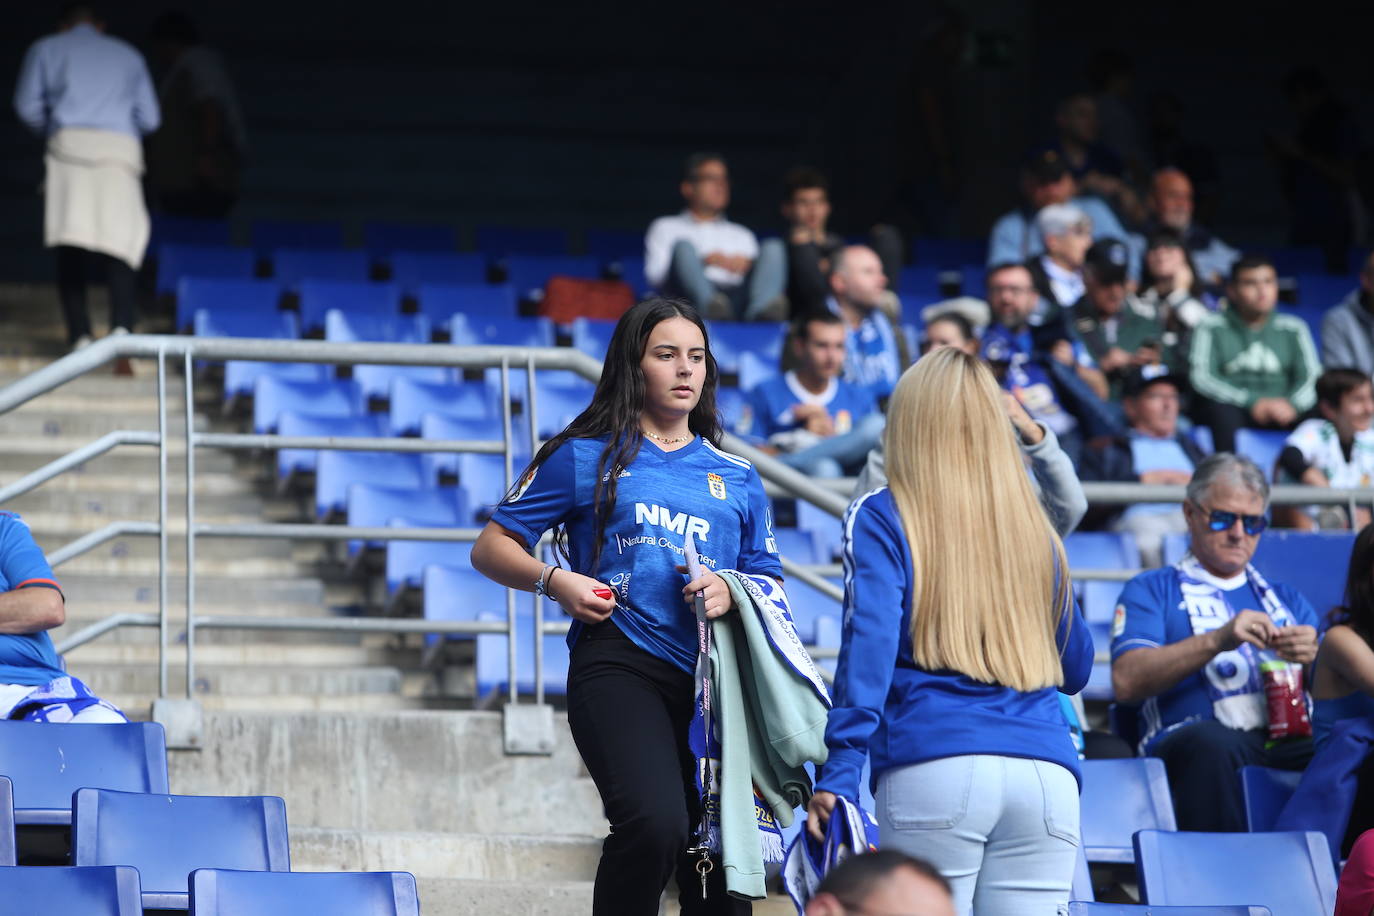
{"points": [[959, 626], [621, 487]]}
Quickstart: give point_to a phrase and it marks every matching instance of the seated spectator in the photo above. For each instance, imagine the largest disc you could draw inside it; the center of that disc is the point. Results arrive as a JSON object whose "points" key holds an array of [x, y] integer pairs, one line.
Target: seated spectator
{"points": [[1170, 289], [811, 246], [872, 351], [1116, 330], [716, 264], [33, 685], [1348, 328], [1187, 642], [1152, 451], [816, 421], [881, 882], [1058, 273], [950, 329], [1096, 168], [1045, 180], [1248, 365], [1333, 450], [1170, 204], [1039, 365]]}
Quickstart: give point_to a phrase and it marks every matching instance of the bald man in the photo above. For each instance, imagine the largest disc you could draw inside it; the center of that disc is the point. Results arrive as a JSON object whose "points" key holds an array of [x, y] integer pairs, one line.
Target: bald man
{"points": [[1170, 203], [873, 357], [884, 881]]}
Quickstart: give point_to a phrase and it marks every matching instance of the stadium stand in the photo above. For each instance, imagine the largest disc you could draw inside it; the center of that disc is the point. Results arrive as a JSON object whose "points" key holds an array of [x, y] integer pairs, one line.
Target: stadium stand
{"points": [[385, 240], [274, 396], [219, 295], [269, 235], [1287, 872], [293, 461], [89, 890], [1119, 798], [335, 472], [177, 261], [442, 302], [372, 506], [1265, 790], [292, 266], [413, 270], [229, 892]]}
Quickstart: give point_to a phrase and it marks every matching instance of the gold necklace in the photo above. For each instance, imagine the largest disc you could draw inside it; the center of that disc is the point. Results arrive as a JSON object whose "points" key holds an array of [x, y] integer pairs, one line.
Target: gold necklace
{"points": [[678, 441]]}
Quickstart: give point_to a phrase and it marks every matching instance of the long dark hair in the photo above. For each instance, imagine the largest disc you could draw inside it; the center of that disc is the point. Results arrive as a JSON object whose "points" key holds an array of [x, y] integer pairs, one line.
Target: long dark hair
{"points": [[1358, 610], [617, 404]]}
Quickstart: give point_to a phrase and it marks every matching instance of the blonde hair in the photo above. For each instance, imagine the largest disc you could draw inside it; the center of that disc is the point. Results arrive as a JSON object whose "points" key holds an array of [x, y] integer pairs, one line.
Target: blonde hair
{"points": [[984, 601]]}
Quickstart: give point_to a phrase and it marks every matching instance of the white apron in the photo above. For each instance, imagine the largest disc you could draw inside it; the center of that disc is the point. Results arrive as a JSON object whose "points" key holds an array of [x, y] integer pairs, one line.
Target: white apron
{"points": [[94, 193]]}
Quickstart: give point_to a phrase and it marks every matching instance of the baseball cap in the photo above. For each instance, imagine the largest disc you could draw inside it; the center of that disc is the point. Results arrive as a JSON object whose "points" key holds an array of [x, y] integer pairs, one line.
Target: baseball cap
{"points": [[1107, 259], [1143, 377], [1058, 219], [1046, 167]]}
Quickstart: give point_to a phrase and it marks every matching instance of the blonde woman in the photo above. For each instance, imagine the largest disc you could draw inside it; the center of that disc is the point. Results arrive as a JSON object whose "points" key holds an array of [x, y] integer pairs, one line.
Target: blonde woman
{"points": [[959, 627]]}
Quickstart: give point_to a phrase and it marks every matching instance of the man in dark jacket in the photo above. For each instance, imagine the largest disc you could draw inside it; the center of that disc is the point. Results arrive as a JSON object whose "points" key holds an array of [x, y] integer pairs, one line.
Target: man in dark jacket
{"points": [[1152, 451], [1114, 328]]}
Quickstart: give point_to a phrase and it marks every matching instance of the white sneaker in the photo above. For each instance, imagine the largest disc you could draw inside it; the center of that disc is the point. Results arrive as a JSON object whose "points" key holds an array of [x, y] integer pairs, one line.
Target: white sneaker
{"points": [[82, 342], [117, 331]]}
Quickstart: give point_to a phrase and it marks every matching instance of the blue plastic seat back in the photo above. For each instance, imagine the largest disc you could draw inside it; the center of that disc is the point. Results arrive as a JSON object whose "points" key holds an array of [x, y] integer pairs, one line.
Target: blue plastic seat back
{"points": [[441, 301], [828, 529], [439, 426], [799, 546], [8, 854], [47, 762], [1265, 791], [241, 375], [1261, 446], [462, 593], [177, 261], [336, 471], [411, 400], [375, 301], [1288, 872], [385, 239], [1313, 562], [615, 244], [1082, 887], [166, 837], [225, 295], [1102, 550], [736, 414], [1202, 438], [506, 240], [948, 253], [631, 271], [376, 382], [350, 327], [921, 282], [1176, 545], [1083, 908], [185, 230], [267, 325], [295, 423], [273, 396], [373, 506], [223, 892], [1099, 600], [406, 561], [292, 266], [754, 370], [557, 405], [491, 655], [1321, 291], [808, 605], [483, 478], [1119, 798], [530, 272], [90, 890], [480, 330], [414, 270], [592, 336], [271, 234], [730, 339]]}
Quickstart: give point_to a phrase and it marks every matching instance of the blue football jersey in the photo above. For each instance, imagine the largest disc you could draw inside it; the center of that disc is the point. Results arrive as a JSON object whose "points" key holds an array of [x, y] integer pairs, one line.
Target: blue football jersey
{"points": [[25, 658], [660, 498]]}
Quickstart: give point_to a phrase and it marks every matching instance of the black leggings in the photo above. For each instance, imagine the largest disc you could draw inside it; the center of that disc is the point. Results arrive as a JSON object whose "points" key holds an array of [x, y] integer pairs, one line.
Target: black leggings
{"points": [[74, 267], [629, 712]]}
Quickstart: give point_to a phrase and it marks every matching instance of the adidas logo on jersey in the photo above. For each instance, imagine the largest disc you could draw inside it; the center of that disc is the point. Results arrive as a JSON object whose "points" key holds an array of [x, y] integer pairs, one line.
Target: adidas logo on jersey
{"points": [[1255, 358]]}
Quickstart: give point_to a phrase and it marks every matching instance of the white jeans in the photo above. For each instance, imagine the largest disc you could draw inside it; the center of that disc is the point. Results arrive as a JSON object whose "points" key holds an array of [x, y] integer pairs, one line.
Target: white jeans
{"points": [[1002, 830]]}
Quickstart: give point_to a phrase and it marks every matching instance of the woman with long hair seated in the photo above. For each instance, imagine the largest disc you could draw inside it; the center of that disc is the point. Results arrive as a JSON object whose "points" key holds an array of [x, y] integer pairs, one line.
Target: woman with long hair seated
{"points": [[959, 629]]}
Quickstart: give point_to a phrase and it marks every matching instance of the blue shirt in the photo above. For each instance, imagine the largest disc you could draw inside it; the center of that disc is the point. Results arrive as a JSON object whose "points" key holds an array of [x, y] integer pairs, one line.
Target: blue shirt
{"points": [[84, 78], [1151, 613], [871, 357], [660, 497], [1026, 379], [773, 400], [888, 708], [25, 658], [1151, 453]]}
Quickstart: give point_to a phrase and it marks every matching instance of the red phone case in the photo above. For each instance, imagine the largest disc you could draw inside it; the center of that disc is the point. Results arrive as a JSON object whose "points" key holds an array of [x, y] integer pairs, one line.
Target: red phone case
{"points": [[601, 592]]}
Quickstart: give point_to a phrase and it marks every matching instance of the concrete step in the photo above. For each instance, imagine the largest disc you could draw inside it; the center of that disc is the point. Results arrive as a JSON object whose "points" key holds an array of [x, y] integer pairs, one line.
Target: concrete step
{"points": [[398, 771], [23, 456], [138, 706], [90, 506], [36, 421], [89, 590], [256, 653], [234, 680], [90, 481], [489, 857], [460, 897]]}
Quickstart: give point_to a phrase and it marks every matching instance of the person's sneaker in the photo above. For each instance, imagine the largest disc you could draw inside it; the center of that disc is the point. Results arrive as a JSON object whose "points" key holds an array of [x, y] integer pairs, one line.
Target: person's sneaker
{"points": [[118, 331], [82, 342]]}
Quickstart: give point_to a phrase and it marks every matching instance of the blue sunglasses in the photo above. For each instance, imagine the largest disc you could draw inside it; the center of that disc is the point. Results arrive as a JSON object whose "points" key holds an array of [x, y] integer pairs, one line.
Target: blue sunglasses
{"points": [[1217, 520]]}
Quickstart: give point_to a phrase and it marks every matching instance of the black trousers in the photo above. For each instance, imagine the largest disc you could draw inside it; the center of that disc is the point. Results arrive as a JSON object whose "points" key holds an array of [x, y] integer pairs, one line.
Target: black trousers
{"points": [[1203, 762], [629, 712], [1224, 420], [74, 267]]}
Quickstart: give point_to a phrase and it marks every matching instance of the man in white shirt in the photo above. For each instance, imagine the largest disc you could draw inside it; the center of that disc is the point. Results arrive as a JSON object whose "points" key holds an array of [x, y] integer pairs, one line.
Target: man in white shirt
{"points": [[717, 265]]}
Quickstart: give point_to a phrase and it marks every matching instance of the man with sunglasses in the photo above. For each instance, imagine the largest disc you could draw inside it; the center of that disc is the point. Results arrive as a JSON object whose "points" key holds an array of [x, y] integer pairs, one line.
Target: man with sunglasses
{"points": [[1187, 641]]}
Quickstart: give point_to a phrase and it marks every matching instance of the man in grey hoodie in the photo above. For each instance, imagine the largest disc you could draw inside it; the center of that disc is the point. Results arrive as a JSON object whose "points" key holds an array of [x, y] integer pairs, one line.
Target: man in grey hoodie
{"points": [[1348, 328]]}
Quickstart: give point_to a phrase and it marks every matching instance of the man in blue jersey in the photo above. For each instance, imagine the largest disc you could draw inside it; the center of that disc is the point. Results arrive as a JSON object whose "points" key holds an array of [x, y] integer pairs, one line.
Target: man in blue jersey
{"points": [[816, 421], [1188, 641], [33, 684], [872, 355]]}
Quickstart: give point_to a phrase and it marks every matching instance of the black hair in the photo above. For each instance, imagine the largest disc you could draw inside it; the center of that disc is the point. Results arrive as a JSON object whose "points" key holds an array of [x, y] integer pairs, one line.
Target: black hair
{"points": [[696, 161], [1249, 261], [859, 875], [616, 406], [803, 178], [1358, 610], [801, 326], [1164, 237], [1334, 384], [959, 321], [995, 269]]}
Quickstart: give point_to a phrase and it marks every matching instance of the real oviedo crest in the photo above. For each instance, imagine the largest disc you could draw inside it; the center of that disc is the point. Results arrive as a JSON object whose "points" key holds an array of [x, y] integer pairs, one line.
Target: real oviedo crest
{"points": [[524, 484], [716, 484]]}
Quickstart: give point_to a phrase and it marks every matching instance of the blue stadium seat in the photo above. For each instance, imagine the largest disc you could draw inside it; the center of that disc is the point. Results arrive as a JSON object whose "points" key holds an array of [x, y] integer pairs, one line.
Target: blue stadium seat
{"points": [[1261, 446], [1313, 562], [1287, 872], [241, 375], [615, 244], [373, 505], [291, 266], [406, 561], [912, 306], [354, 299], [491, 657], [440, 426], [91, 890], [729, 339], [798, 546], [274, 396], [631, 270], [483, 478], [736, 414], [754, 370], [828, 635], [556, 405], [268, 324], [270, 234], [1099, 600], [413, 270], [336, 471], [1322, 291], [922, 282], [1102, 550], [1176, 545], [1082, 887], [462, 593], [592, 337], [225, 892], [47, 762], [177, 261], [183, 230], [1084, 908], [225, 295], [375, 381], [828, 529], [1297, 259], [440, 302], [410, 401], [296, 423], [8, 852], [1202, 437], [167, 836], [948, 253], [807, 604], [1266, 790], [482, 330], [506, 240], [1120, 797], [528, 273], [385, 239]]}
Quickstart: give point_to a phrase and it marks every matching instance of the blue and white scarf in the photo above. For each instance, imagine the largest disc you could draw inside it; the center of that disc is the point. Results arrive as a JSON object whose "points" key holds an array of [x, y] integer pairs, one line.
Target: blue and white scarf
{"points": [[850, 831], [59, 700]]}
